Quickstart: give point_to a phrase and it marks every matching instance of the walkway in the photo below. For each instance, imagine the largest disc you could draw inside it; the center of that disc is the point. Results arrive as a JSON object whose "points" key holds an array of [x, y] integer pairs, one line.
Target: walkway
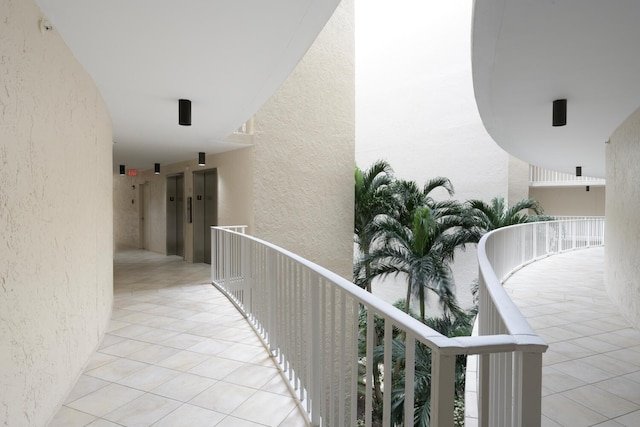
{"points": [[177, 353], [591, 372]]}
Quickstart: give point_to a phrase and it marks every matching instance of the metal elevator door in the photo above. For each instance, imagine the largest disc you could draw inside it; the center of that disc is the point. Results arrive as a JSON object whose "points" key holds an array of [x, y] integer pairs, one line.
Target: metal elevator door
{"points": [[205, 213], [175, 215]]}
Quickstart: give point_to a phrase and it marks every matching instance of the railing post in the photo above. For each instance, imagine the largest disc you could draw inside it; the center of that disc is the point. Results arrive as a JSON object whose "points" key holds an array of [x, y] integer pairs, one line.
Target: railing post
{"points": [[247, 290], [484, 397], [409, 377], [528, 398], [442, 389], [314, 337], [371, 330], [534, 244], [214, 254]]}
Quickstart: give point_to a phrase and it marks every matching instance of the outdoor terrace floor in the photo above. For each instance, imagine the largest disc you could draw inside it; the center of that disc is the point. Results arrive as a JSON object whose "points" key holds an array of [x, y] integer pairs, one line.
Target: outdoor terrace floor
{"points": [[177, 353], [591, 371]]}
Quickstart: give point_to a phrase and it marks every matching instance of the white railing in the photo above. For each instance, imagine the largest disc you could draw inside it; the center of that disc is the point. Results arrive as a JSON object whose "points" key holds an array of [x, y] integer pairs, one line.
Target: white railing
{"points": [[544, 177], [500, 253], [309, 318], [242, 229]]}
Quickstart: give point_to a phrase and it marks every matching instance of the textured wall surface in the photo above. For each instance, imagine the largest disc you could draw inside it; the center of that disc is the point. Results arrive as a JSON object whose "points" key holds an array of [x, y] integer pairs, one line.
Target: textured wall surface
{"points": [[56, 274], [125, 211], [304, 153], [235, 200], [570, 201], [622, 232]]}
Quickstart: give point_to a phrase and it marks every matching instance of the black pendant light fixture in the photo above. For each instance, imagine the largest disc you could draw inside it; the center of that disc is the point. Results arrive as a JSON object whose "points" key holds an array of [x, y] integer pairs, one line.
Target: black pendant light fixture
{"points": [[578, 170], [201, 161], [559, 112], [156, 169], [184, 112], [122, 170]]}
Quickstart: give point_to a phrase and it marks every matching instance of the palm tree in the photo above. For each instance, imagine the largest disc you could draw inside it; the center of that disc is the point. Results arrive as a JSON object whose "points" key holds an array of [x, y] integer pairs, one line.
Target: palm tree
{"points": [[424, 251], [408, 197], [493, 215], [373, 198]]}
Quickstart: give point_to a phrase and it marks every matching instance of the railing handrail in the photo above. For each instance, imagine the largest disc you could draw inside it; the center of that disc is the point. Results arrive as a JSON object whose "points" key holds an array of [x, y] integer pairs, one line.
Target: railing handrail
{"points": [[539, 176], [266, 281], [522, 335], [500, 253], [235, 228]]}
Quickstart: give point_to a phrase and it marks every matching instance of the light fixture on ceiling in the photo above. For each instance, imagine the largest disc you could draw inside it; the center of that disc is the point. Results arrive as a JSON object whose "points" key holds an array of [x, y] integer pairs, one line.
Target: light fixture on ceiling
{"points": [[201, 161], [578, 170], [184, 112], [156, 169], [559, 112], [122, 170]]}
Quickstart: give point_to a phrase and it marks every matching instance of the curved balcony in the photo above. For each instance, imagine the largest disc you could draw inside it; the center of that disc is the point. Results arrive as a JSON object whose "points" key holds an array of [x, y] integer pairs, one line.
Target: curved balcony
{"points": [[310, 320], [541, 177]]}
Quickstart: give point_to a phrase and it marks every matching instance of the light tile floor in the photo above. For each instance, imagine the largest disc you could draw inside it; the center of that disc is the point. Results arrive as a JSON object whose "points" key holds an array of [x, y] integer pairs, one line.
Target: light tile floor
{"points": [[591, 371], [177, 353]]}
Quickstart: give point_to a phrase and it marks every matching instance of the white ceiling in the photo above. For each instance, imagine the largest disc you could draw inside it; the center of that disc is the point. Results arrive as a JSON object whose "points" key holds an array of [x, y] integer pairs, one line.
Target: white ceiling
{"points": [[227, 57], [527, 53]]}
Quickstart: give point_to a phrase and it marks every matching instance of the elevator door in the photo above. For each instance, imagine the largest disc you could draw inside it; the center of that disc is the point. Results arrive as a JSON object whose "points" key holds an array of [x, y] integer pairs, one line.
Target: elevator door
{"points": [[205, 213], [175, 215]]}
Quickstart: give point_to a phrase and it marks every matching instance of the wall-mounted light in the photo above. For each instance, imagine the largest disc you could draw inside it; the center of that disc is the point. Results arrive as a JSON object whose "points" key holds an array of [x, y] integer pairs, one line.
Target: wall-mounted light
{"points": [[578, 170], [587, 188], [201, 161], [184, 112], [559, 112], [156, 169], [122, 170]]}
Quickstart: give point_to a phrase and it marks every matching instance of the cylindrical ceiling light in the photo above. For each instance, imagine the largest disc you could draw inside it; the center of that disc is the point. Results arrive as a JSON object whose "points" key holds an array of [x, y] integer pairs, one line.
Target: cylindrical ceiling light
{"points": [[156, 169], [201, 161], [122, 170], [578, 170], [184, 112], [559, 112]]}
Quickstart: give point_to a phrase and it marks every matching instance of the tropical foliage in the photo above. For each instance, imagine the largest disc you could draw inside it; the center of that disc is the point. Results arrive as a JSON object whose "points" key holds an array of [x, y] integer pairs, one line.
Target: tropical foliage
{"points": [[402, 230], [373, 198], [423, 252], [496, 213]]}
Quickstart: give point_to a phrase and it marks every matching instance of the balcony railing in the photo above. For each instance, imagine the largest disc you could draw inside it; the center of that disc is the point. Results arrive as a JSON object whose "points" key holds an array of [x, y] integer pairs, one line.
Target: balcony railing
{"points": [[500, 253], [309, 319], [540, 177]]}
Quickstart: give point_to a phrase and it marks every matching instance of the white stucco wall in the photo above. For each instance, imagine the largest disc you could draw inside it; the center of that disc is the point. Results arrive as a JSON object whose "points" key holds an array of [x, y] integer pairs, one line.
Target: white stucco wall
{"points": [[622, 232], [415, 105], [56, 277], [570, 201], [304, 152], [125, 212]]}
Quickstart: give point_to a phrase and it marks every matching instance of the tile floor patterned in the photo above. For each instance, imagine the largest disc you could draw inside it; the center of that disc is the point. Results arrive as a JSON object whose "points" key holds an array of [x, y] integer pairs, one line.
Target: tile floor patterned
{"points": [[591, 371], [176, 353]]}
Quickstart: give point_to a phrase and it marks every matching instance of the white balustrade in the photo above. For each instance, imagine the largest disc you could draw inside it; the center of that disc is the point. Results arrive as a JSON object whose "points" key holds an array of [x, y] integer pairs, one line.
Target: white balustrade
{"points": [[547, 178], [309, 319]]}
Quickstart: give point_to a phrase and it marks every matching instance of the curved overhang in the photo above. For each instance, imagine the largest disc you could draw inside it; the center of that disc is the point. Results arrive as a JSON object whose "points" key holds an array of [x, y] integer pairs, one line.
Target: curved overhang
{"points": [[526, 54], [227, 57]]}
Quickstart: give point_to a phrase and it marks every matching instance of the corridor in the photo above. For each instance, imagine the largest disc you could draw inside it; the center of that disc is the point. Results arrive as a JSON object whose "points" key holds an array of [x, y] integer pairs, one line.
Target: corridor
{"points": [[177, 353]]}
